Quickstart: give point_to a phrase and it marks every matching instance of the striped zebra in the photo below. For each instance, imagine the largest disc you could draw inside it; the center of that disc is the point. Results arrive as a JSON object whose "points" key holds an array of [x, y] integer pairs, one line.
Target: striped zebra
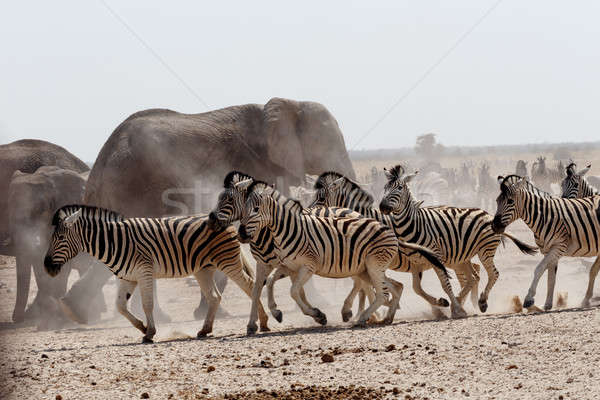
{"points": [[230, 207], [575, 186], [333, 247], [139, 250], [561, 227], [455, 235], [333, 189]]}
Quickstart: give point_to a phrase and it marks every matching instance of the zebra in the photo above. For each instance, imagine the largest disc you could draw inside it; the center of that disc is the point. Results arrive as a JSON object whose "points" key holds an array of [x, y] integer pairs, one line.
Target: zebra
{"points": [[454, 234], [575, 185], [561, 227], [139, 250], [230, 207], [333, 189], [521, 168], [334, 247]]}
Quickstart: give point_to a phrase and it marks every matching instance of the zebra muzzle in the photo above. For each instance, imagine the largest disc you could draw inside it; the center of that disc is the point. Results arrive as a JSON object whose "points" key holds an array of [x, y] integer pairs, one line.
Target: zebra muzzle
{"points": [[243, 235], [497, 225]]}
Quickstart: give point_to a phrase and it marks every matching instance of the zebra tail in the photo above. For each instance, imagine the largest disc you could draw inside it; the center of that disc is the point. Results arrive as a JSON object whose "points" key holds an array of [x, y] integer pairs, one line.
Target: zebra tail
{"points": [[427, 254], [524, 247]]}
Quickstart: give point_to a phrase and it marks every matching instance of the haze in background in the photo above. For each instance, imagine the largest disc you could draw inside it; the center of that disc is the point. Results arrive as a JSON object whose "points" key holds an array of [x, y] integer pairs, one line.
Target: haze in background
{"points": [[70, 72]]}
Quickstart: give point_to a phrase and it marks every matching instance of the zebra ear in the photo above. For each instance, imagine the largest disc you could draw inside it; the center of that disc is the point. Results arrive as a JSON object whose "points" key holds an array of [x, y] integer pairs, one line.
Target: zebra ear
{"points": [[388, 174], [500, 179], [410, 177], [585, 170], [71, 219], [242, 185], [337, 183]]}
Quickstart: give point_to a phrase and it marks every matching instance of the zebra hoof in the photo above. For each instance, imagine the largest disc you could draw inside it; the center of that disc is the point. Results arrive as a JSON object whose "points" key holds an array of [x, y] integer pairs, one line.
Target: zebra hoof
{"points": [[442, 302], [483, 306], [528, 302], [265, 329], [320, 318], [147, 340], [547, 307], [346, 315], [202, 334], [360, 324], [278, 315], [250, 330], [585, 304]]}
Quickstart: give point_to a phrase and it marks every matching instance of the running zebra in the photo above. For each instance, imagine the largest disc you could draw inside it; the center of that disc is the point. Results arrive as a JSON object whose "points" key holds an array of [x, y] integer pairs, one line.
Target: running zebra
{"points": [[575, 186], [333, 247], [333, 189], [230, 208], [561, 227], [455, 235], [139, 250]]}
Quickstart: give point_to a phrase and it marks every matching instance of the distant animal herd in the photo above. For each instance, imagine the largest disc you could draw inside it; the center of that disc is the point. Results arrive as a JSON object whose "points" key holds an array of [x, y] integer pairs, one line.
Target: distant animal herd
{"points": [[52, 212]]}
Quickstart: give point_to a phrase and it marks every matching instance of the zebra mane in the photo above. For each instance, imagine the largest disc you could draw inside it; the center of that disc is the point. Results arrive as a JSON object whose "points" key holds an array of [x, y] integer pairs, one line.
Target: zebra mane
{"points": [[234, 177], [87, 211], [275, 194], [512, 179], [327, 177], [396, 172]]}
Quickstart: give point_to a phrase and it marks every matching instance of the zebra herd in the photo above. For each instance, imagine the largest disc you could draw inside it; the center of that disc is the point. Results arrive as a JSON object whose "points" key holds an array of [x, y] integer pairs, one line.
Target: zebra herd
{"points": [[340, 234]]}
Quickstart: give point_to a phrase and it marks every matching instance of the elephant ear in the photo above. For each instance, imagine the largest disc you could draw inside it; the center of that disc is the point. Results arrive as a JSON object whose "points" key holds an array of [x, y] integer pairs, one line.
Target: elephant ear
{"points": [[283, 144]]}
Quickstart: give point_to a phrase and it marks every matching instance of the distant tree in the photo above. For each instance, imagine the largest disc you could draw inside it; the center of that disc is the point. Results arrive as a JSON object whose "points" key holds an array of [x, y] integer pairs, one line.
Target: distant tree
{"points": [[427, 146]]}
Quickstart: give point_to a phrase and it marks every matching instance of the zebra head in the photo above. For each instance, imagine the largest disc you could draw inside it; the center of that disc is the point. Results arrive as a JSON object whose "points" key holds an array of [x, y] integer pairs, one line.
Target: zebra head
{"points": [[231, 201], [396, 194], [335, 190], [65, 242], [572, 184], [507, 201], [257, 211]]}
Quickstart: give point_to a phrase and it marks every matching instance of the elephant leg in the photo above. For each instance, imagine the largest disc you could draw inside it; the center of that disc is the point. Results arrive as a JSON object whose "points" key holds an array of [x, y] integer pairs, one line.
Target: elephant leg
{"points": [[23, 282], [84, 301]]}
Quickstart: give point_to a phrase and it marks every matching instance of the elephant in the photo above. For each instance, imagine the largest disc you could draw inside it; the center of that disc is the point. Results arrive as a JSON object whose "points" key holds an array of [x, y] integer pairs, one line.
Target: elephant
{"points": [[18, 163], [32, 200], [160, 162]]}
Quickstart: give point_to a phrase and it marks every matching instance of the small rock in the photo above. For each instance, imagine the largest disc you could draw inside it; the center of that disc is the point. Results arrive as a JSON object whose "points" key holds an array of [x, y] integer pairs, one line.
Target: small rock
{"points": [[210, 368], [58, 397], [205, 391], [327, 358], [570, 380], [145, 395], [44, 356], [512, 366], [390, 347]]}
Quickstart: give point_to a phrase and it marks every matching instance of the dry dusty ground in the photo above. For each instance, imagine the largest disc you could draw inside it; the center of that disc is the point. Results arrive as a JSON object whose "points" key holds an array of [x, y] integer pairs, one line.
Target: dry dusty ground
{"points": [[497, 355]]}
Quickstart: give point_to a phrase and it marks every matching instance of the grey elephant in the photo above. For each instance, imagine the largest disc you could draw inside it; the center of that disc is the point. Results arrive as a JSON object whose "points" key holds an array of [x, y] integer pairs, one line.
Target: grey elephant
{"points": [[160, 162], [32, 200], [26, 156]]}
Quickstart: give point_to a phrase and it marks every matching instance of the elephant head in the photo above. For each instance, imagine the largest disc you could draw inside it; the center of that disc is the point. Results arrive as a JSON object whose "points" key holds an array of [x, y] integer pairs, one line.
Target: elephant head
{"points": [[303, 137]]}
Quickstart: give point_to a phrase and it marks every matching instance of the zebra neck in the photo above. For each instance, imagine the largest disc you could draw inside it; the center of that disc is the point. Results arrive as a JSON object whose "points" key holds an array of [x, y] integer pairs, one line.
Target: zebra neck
{"points": [[532, 210], [285, 226], [104, 240], [587, 189]]}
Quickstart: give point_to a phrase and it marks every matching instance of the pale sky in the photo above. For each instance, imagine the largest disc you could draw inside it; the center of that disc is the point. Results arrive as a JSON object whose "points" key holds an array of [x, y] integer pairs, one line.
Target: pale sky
{"points": [[70, 72]]}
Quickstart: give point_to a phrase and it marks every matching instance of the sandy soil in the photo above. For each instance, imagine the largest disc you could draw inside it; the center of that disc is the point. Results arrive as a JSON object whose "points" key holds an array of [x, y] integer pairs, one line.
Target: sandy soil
{"points": [[496, 355]]}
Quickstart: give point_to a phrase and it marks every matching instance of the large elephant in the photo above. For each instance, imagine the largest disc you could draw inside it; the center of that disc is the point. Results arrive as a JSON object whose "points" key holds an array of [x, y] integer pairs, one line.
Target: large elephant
{"points": [[156, 160], [26, 156], [32, 200]]}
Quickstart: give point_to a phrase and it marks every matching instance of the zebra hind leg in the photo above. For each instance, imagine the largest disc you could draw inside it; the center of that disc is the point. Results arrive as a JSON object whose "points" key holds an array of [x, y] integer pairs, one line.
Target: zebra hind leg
{"points": [[125, 291], [209, 290], [396, 288], [552, 268], [487, 260], [456, 308], [347, 307], [590, 289]]}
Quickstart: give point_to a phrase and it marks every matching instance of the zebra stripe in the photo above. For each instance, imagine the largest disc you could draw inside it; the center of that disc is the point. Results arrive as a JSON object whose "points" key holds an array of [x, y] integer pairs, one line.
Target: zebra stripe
{"points": [[561, 227], [139, 250], [454, 234]]}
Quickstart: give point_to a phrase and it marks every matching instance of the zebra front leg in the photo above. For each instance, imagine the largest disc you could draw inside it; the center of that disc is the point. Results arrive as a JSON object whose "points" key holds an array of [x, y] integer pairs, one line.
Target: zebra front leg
{"points": [[210, 292], [298, 280], [550, 258], [261, 274], [146, 282], [590, 289], [488, 263], [551, 284], [473, 281], [279, 273], [456, 308], [125, 291]]}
